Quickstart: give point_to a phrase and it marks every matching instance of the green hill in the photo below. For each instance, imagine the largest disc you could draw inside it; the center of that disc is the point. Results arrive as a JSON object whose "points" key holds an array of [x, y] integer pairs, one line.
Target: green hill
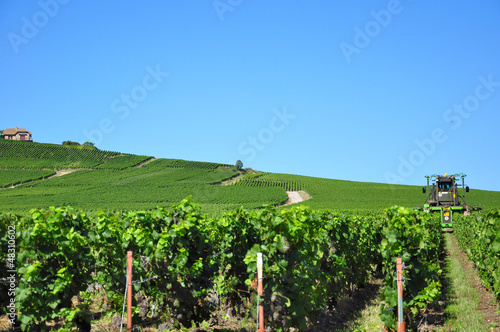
{"points": [[93, 179]]}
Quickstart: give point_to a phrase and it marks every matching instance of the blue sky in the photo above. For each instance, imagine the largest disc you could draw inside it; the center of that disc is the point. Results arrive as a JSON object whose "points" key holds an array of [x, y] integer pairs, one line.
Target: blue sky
{"points": [[378, 91]]}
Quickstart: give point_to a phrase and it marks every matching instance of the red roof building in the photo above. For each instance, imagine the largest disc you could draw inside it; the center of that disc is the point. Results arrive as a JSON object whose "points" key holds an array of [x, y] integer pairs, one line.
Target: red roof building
{"points": [[17, 134]]}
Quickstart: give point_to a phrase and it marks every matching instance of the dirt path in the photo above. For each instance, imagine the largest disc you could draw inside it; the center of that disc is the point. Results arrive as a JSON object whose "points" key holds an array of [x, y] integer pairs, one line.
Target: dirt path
{"points": [[296, 197], [232, 180], [147, 161], [60, 172]]}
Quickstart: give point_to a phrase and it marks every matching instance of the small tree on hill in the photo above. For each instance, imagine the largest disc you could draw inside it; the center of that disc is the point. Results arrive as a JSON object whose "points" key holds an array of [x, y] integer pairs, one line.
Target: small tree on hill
{"points": [[239, 165], [70, 143]]}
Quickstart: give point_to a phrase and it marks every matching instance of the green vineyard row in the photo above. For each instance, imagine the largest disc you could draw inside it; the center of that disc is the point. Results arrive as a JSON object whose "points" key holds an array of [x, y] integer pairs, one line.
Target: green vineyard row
{"points": [[138, 188], [9, 177], [122, 162], [270, 180], [179, 163], [108, 180], [193, 265], [31, 155], [479, 237]]}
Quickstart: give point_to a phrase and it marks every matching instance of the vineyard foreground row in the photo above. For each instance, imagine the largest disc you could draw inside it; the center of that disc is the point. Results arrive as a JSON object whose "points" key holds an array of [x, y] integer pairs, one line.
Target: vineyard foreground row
{"points": [[192, 266]]}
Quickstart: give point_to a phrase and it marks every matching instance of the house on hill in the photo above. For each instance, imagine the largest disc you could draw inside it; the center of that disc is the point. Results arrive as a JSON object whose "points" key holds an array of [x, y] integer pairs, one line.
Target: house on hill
{"points": [[17, 134]]}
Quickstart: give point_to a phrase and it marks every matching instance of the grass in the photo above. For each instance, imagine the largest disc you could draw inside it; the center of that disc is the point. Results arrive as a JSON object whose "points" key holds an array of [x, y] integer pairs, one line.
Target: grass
{"points": [[367, 319], [462, 311]]}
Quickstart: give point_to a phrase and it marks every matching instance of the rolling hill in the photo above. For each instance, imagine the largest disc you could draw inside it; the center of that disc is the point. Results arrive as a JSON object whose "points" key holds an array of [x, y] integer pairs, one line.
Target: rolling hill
{"points": [[38, 175]]}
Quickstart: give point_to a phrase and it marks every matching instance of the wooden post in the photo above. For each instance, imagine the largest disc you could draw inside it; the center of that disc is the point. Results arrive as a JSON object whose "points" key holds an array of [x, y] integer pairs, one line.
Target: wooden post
{"points": [[129, 291], [399, 266], [260, 292]]}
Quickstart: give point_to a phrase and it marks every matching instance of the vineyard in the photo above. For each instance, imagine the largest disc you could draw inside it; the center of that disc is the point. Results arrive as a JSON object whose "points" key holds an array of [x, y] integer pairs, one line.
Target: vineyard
{"points": [[195, 263], [10, 177], [287, 182], [480, 239], [110, 181], [31, 155], [121, 162], [178, 163], [354, 196], [138, 188], [194, 266]]}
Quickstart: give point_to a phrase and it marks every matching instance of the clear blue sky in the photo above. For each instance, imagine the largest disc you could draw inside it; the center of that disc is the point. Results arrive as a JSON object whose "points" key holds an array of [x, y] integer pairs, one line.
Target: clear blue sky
{"points": [[379, 91]]}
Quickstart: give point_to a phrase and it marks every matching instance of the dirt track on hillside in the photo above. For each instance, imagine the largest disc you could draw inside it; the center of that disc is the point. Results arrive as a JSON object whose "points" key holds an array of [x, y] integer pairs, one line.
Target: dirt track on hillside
{"points": [[58, 173], [296, 197]]}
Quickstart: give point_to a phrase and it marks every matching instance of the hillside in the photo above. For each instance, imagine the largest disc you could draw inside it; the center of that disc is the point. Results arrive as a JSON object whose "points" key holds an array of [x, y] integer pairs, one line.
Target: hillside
{"points": [[115, 181]]}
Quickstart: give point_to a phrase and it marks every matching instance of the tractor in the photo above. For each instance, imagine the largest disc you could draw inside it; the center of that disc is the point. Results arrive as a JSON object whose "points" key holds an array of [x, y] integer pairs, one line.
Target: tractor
{"points": [[444, 197]]}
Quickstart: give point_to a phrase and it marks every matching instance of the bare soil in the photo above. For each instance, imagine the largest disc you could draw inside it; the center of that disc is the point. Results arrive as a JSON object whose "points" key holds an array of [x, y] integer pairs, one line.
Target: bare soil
{"points": [[58, 173], [336, 316], [296, 197], [62, 172], [147, 161]]}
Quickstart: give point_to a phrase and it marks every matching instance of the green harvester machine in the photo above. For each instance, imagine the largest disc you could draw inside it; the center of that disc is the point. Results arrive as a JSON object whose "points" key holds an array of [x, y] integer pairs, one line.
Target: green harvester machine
{"points": [[444, 197]]}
